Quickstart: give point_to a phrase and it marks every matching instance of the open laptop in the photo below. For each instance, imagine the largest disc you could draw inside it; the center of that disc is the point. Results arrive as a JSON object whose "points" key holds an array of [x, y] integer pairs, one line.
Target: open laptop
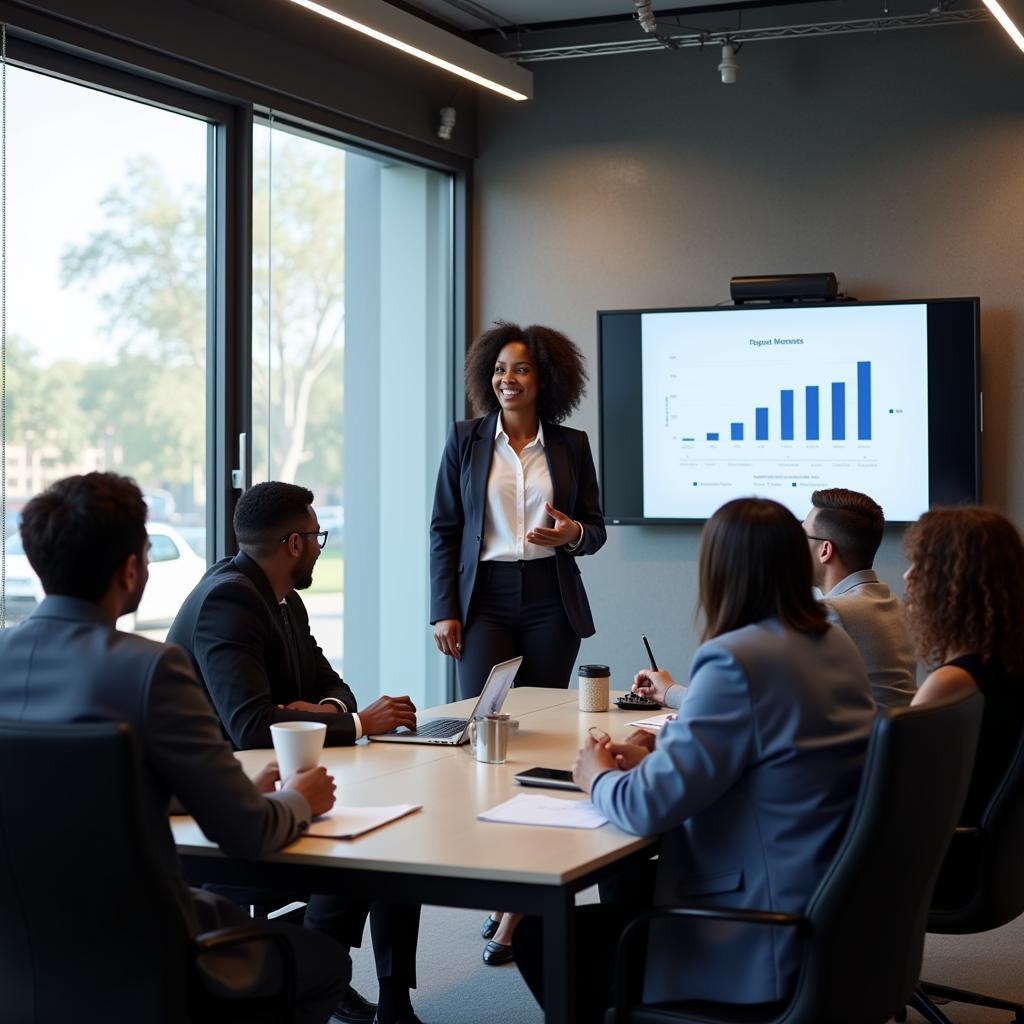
{"points": [[451, 732]]}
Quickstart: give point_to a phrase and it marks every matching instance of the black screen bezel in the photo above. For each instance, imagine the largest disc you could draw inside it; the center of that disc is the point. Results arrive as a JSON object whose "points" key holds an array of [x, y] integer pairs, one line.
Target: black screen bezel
{"points": [[954, 381]]}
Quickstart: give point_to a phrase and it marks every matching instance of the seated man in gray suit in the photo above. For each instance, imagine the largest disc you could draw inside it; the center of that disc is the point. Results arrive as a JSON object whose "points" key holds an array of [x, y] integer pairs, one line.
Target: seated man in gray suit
{"points": [[845, 529], [247, 633], [86, 539]]}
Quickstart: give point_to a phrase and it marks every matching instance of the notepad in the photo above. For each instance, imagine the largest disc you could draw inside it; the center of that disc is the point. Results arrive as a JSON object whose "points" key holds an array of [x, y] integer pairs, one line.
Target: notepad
{"points": [[350, 822], [653, 724], [528, 809]]}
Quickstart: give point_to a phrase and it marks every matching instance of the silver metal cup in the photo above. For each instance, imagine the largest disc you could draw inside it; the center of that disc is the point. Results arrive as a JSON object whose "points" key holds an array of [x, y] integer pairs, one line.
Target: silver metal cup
{"points": [[489, 736]]}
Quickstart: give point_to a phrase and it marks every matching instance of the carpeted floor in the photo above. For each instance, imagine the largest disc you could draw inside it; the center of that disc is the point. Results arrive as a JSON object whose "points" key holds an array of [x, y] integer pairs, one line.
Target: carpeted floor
{"points": [[992, 963], [456, 988]]}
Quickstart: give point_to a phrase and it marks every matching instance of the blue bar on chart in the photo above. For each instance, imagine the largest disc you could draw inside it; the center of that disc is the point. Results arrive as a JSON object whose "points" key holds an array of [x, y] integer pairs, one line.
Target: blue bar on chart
{"points": [[811, 404], [786, 415], [736, 431], [712, 437], [864, 401], [838, 411], [761, 423]]}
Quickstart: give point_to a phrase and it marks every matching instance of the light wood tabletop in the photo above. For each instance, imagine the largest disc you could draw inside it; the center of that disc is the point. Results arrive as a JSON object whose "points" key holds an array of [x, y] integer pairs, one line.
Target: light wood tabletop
{"points": [[445, 837], [443, 854]]}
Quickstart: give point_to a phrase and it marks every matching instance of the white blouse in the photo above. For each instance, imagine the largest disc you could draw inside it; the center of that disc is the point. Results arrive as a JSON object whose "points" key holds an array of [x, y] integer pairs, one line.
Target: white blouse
{"points": [[517, 488]]}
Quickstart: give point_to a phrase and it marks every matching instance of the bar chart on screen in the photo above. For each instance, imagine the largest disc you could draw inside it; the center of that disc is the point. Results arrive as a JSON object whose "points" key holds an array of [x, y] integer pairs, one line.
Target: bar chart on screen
{"points": [[784, 402], [810, 428]]}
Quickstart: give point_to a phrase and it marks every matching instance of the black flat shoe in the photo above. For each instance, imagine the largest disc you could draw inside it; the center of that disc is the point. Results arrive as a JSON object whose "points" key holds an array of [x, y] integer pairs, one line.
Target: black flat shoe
{"points": [[490, 927], [497, 953], [352, 1008]]}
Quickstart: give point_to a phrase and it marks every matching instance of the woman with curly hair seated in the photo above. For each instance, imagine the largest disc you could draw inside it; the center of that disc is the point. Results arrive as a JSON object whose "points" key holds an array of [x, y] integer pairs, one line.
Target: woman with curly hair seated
{"points": [[516, 504], [964, 601]]}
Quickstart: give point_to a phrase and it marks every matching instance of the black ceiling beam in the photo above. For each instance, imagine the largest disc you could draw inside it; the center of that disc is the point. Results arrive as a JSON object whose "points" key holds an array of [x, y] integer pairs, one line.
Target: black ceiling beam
{"points": [[628, 16], [434, 19]]}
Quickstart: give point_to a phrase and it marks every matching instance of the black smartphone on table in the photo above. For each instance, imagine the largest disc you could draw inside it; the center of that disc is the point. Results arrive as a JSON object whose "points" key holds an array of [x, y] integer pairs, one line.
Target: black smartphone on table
{"points": [[547, 778]]}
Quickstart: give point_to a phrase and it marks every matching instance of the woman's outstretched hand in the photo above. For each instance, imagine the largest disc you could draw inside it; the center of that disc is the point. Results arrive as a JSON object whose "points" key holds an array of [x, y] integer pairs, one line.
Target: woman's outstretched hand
{"points": [[565, 531]]}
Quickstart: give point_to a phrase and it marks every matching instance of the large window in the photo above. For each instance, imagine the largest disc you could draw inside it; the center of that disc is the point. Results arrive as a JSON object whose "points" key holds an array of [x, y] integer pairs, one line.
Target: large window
{"points": [[352, 342], [107, 320], [132, 243]]}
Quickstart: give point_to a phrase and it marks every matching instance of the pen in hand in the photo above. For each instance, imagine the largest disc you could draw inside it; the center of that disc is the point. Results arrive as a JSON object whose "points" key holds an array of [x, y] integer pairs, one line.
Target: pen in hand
{"points": [[650, 653], [652, 697]]}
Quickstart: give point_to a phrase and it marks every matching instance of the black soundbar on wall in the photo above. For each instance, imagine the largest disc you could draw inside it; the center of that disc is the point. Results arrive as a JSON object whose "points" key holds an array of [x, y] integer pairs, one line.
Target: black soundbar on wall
{"points": [[784, 288]]}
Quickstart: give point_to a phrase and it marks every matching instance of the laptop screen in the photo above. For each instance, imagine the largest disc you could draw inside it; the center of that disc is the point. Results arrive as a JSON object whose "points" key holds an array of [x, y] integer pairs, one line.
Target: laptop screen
{"points": [[495, 690]]}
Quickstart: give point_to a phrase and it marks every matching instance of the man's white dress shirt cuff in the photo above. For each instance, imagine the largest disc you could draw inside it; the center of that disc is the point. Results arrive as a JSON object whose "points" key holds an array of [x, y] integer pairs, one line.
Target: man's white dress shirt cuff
{"points": [[341, 707]]}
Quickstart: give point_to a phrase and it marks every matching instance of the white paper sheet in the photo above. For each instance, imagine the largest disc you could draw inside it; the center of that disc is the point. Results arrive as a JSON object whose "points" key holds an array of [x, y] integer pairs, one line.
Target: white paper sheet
{"points": [[529, 809], [653, 724], [350, 822]]}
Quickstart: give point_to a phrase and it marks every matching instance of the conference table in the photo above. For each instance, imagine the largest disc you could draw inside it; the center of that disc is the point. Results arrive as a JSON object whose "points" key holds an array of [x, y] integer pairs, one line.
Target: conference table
{"points": [[442, 854]]}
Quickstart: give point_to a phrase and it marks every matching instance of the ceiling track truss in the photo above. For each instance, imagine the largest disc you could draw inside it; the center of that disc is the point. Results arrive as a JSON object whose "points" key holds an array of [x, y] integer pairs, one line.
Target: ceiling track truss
{"points": [[684, 40]]}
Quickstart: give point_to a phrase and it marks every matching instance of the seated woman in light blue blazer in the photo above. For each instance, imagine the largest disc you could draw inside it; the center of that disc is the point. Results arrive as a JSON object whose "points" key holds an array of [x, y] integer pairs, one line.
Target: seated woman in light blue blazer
{"points": [[752, 785]]}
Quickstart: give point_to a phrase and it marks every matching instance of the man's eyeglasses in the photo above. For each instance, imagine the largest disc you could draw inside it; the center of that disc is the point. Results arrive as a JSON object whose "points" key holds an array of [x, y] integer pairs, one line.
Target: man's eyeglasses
{"points": [[810, 536], [321, 536]]}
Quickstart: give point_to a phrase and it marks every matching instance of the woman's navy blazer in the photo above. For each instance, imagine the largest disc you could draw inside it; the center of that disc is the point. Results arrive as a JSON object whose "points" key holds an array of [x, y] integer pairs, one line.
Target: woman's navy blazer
{"points": [[460, 502]]}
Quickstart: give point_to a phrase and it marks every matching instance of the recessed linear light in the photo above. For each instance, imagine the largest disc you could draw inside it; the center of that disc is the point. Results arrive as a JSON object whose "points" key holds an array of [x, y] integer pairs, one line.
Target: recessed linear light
{"points": [[404, 31], [1004, 19]]}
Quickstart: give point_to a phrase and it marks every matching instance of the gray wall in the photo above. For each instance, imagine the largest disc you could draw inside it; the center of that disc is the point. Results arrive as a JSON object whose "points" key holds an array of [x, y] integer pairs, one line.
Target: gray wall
{"points": [[895, 160]]}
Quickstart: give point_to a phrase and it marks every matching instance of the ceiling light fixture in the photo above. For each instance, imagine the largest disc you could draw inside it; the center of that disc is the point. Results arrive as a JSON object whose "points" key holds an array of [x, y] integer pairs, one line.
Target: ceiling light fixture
{"points": [[645, 15], [447, 123], [728, 68], [420, 39], [1004, 19]]}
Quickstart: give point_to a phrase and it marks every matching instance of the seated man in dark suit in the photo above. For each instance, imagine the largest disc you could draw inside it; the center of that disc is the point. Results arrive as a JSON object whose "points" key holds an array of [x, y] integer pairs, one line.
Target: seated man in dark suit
{"points": [[86, 538], [247, 632]]}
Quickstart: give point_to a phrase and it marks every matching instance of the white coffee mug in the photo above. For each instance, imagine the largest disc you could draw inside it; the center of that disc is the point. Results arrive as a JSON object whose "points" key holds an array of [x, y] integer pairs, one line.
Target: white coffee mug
{"points": [[297, 745]]}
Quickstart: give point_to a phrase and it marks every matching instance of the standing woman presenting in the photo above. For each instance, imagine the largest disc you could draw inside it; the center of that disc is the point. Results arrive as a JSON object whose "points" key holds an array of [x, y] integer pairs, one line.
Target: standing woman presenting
{"points": [[516, 503]]}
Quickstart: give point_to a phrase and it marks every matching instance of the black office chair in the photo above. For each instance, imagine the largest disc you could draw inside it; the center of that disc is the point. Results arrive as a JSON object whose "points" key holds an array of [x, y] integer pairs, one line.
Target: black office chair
{"points": [[89, 924], [863, 930], [982, 886]]}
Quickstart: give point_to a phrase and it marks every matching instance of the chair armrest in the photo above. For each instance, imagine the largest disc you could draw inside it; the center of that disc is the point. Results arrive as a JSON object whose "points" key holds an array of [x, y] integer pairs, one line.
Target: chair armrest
{"points": [[224, 938], [965, 830], [628, 941]]}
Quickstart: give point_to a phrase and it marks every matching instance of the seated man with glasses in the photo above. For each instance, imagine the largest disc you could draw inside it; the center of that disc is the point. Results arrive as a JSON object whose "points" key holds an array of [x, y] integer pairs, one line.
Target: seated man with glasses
{"points": [[844, 529], [247, 633], [247, 630]]}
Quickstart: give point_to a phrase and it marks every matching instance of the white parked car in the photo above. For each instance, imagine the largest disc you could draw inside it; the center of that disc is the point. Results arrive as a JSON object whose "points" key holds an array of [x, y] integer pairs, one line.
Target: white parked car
{"points": [[332, 519], [174, 569]]}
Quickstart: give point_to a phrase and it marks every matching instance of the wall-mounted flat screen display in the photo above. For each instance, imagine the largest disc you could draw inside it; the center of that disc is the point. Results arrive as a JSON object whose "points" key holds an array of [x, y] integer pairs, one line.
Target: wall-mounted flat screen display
{"points": [[699, 406]]}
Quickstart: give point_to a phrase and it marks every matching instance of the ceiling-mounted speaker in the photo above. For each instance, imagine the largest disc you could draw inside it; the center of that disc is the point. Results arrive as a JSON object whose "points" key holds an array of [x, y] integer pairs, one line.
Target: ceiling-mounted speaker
{"points": [[784, 288]]}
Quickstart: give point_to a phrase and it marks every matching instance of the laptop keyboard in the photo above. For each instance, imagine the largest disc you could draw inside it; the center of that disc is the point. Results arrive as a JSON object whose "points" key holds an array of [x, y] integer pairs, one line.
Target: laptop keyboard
{"points": [[441, 728]]}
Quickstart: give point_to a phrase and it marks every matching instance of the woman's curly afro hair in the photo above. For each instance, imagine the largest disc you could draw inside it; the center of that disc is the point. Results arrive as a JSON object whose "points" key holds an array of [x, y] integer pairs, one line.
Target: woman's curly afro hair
{"points": [[563, 377], [965, 591]]}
